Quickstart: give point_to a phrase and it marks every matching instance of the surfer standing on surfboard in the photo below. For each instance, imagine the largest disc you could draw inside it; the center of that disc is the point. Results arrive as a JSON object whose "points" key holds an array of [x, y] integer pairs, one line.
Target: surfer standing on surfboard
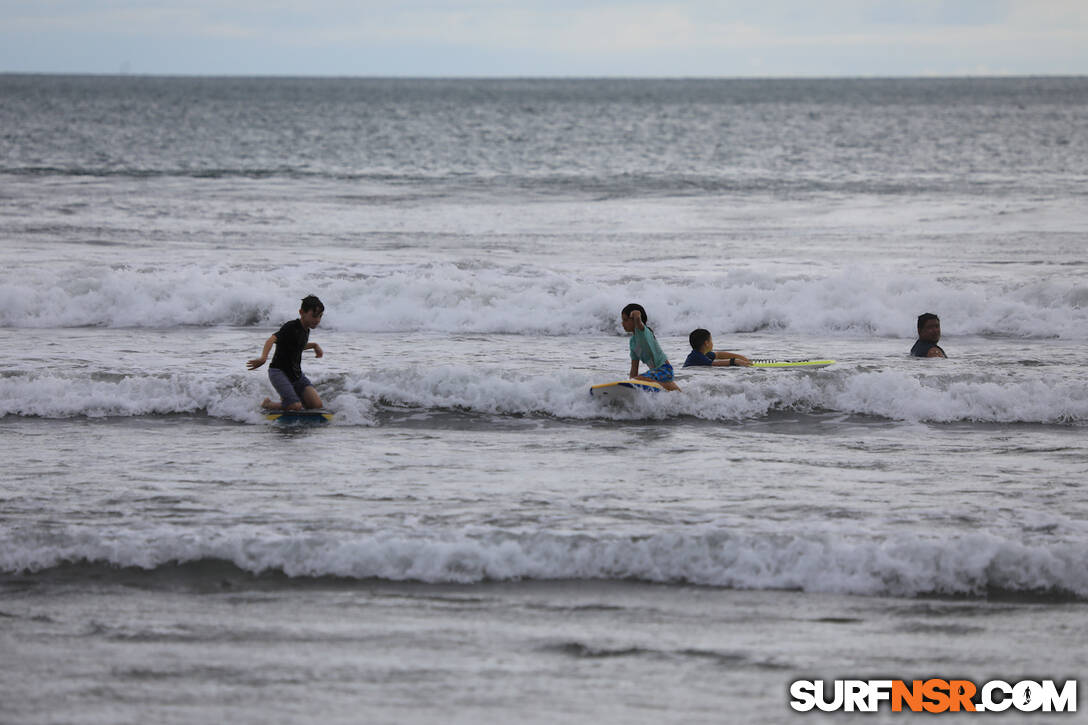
{"points": [[644, 348], [285, 370]]}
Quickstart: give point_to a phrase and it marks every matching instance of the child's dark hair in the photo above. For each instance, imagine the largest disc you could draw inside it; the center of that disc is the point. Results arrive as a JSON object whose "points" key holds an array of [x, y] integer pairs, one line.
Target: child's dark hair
{"points": [[698, 338], [926, 317], [632, 307], [311, 302]]}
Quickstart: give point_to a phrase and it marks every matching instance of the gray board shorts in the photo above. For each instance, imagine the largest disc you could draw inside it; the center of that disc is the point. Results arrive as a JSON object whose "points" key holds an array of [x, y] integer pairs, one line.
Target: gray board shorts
{"points": [[290, 392]]}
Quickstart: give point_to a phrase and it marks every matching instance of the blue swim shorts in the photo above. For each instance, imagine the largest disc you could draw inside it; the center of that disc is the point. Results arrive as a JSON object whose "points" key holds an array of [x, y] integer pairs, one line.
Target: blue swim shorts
{"points": [[661, 374], [290, 392]]}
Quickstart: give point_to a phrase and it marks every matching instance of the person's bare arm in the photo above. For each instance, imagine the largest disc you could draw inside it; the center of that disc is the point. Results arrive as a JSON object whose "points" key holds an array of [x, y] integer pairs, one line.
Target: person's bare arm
{"points": [[722, 359], [259, 361]]}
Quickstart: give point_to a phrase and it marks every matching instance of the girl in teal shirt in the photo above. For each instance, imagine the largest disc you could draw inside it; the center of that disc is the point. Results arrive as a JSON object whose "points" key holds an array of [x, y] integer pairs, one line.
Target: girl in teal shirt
{"points": [[644, 348]]}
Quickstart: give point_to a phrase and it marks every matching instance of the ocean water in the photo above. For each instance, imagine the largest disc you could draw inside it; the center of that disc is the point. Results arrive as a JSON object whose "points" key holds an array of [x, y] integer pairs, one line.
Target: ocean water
{"points": [[474, 538]]}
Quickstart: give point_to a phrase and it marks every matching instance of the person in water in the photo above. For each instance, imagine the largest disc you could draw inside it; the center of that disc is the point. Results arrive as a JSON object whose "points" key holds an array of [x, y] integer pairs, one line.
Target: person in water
{"points": [[703, 352], [285, 370], [644, 348], [929, 334]]}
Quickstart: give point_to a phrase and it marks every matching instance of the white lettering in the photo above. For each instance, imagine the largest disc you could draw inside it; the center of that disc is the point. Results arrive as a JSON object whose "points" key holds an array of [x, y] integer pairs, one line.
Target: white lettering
{"points": [[835, 703], [1065, 701], [803, 693], [880, 690], [856, 696], [1027, 696], [989, 704]]}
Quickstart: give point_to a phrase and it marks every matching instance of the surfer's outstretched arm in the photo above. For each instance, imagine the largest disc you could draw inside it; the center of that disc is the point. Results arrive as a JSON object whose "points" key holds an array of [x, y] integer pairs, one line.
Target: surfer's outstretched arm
{"points": [[722, 358], [259, 361]]}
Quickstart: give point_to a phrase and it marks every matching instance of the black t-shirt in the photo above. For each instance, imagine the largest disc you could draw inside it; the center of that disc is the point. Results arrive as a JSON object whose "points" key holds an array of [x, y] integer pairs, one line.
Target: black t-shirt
{"points": [[921, 349], [290, 341]]}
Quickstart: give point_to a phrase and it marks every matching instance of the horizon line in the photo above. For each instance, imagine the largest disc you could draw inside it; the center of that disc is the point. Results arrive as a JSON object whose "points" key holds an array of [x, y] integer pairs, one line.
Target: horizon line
{"points": [[291, 76]]}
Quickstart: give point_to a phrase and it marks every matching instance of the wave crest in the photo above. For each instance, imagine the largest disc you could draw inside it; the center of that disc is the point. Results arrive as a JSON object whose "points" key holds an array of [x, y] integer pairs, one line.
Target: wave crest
{"points": [[370, 399], [473, 297], [968, 565]]}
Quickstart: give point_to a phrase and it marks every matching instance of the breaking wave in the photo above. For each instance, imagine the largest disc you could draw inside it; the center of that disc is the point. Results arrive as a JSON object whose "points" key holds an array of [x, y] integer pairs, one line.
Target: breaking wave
{"points": [[898, 393], [477, 297], [977, 564]]}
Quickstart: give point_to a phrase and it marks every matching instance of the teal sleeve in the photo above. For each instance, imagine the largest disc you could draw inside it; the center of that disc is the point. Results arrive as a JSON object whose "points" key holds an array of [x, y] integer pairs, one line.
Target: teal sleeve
{"points": [[644, 347]]}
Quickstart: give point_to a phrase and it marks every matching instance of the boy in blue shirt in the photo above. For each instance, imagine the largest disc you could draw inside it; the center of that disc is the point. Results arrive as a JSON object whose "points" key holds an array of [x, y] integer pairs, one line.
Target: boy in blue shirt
{"points": [[644, 348], [703, 353], [285, 370]]}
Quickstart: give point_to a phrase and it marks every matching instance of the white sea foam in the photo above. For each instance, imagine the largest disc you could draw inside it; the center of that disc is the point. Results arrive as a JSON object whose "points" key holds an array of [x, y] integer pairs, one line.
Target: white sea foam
{"points": [[895, 393], [813, 561], [232, 397], [525, 299]]}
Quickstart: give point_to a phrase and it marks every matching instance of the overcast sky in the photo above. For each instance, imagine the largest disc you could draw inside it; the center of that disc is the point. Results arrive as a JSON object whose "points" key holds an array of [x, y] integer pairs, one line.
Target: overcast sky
{"points": [[716, 38]]}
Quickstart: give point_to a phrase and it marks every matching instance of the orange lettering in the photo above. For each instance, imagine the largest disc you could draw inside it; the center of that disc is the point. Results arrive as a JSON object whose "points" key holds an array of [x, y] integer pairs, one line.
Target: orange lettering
{"points": [[936, 691], [912, 695], [961, 693]]}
